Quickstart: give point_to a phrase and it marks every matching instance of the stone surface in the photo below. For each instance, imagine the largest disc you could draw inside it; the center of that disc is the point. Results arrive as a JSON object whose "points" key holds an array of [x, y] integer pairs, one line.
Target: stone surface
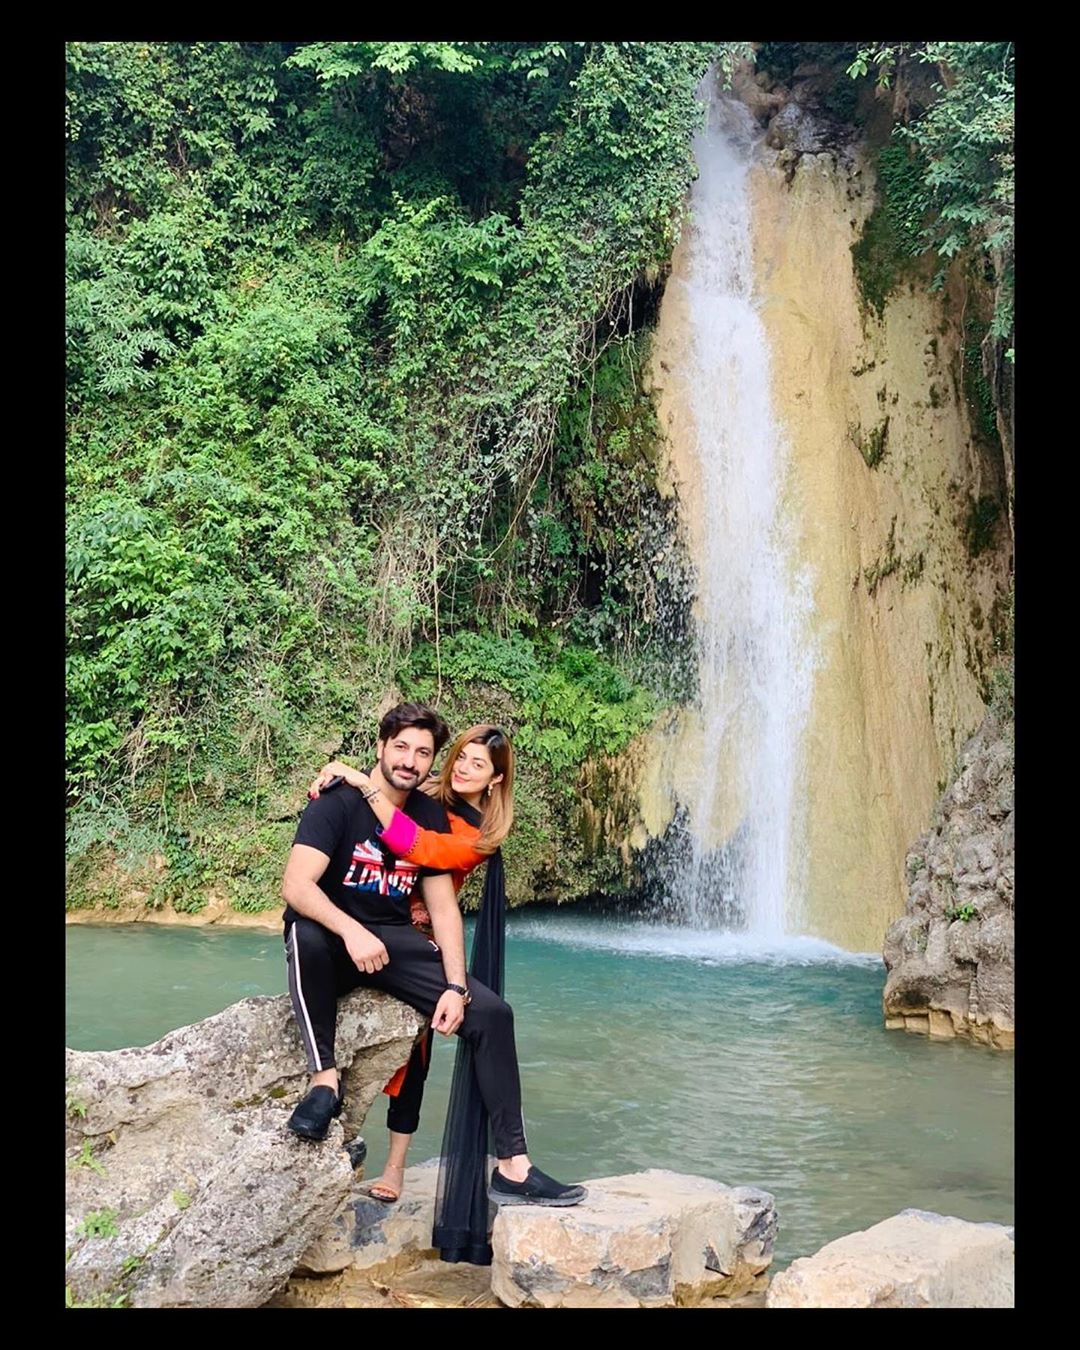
{"points": [[651, 1239], [371, 1236], [913, 1260], [429, 1283], [950, 975], [761, 96], [794, 128], [184, 1188], [376, 1255]]}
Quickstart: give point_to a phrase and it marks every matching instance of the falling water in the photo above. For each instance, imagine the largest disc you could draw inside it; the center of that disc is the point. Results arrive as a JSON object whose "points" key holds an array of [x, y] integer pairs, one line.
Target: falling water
{"points": [[738, 785]]}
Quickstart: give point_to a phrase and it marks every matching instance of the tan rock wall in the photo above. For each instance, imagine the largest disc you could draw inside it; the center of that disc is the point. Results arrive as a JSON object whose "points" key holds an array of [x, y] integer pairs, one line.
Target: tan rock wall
{"points": [[901, 610]]}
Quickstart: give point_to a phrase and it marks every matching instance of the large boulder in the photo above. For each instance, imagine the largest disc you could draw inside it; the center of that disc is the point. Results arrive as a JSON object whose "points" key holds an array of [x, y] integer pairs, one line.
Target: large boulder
{"points": [[950, 955], [913, 1260], [184, 1188], [650, 1239]]}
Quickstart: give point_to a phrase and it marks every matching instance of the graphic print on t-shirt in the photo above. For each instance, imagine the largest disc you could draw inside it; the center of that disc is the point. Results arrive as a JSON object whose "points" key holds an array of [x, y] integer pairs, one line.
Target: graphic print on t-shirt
{"points": [[368, 872]]}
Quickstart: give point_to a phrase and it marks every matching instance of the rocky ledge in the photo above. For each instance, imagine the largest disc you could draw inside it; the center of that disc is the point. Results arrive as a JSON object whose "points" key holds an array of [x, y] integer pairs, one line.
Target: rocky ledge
{"points": [[650, 1239], [913, 1260], [184, 1188], [950, 956]]}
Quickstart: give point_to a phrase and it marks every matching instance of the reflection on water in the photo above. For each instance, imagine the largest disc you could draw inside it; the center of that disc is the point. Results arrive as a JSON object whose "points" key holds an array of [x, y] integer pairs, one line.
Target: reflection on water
{"points": [[643, 1048]]}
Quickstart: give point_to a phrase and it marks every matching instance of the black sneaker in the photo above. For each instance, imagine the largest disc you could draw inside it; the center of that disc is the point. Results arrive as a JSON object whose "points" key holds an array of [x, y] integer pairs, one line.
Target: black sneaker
{"points": [[537, 1189], [311, 1119]]}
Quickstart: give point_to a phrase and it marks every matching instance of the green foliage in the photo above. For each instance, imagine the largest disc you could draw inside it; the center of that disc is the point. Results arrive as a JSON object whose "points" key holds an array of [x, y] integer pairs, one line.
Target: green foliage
{"points": [[1003, 628], [582, 706], [964, 143], [110, 1299], [979, 524], [977, 391], [99, 1223], [181, 1199], [889, 562], [872, 446], [1002, 691], [355, 345], [891, 238], [86, 1157], [965, 913], [569, 702], [335, 62]]}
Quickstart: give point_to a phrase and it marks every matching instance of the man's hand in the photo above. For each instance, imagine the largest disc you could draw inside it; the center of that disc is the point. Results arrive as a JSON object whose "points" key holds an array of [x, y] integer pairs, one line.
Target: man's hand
{"points": [[449, 1013], [367, 952]]}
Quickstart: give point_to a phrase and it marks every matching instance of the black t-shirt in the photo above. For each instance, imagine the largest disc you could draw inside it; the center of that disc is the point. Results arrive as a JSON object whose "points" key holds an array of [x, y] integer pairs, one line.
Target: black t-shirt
{"points": [[363, 877]]}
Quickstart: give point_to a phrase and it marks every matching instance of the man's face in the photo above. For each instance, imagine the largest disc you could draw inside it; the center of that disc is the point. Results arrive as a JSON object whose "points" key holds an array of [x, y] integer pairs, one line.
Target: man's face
{"points": [[406, 759]]}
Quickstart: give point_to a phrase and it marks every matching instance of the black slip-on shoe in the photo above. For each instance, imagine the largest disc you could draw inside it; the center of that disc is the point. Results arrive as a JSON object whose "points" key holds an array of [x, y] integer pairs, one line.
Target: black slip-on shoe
{"points": [[537, 1189], [311, 1119]]}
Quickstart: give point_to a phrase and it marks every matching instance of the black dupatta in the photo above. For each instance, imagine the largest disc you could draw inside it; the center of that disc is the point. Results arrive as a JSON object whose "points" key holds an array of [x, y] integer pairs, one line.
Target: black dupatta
{"points": [[462, 1208]]}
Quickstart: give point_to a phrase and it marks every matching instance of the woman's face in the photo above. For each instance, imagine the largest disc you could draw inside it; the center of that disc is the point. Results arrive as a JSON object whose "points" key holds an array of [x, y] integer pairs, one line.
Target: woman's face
{"points": [[473, 770]]}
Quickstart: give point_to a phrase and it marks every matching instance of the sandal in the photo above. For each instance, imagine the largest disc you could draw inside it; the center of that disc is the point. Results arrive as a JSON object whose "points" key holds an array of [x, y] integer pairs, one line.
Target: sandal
{"points": [[392, 1192]]}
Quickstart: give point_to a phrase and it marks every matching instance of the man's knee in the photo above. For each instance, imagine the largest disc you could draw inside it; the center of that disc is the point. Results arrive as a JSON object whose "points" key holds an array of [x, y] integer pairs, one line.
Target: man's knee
{"points": [[488, 1012]]}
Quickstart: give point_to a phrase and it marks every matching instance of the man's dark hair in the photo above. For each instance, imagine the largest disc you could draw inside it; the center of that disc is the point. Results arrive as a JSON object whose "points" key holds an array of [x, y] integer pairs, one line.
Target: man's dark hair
{"points": [[414, 715]]}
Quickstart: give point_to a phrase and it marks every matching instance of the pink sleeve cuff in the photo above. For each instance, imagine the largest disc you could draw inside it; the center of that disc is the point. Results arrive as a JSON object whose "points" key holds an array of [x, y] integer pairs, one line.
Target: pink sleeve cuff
{"points": [[400, 835]]}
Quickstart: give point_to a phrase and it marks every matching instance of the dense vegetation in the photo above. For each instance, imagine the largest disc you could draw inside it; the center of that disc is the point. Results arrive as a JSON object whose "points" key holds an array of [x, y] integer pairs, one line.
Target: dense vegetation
{"points": [[957, 183], [355, 338]]}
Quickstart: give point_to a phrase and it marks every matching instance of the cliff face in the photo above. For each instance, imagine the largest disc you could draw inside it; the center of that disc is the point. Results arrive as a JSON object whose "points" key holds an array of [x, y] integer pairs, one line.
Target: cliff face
{"points": [[902, 608], [884, 471], [950, 956]]}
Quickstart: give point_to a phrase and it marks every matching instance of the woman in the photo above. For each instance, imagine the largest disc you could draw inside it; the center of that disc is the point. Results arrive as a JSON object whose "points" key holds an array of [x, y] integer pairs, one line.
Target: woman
{"points": [[476, 788]]}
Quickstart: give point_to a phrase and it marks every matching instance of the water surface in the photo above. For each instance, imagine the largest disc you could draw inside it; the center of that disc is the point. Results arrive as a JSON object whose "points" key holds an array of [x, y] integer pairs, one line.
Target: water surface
{"points": [[645, 1047]]}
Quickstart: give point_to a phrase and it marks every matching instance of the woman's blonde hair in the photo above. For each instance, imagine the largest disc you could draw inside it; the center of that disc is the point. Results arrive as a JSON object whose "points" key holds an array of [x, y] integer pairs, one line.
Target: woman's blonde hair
{"points": [[497, 807]]}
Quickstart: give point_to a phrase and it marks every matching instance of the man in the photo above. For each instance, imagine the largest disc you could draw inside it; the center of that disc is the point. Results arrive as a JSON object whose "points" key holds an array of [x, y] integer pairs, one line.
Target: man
{"points": [[347, 923]]}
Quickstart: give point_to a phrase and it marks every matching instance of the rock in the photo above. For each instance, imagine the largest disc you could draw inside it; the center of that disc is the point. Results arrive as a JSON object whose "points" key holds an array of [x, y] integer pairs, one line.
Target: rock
{"points": [[951, 953], [430, 1283], [793, 128], [651, 1239], [377, 1238], [184, 1188], [757, 93], [913, 1260]]}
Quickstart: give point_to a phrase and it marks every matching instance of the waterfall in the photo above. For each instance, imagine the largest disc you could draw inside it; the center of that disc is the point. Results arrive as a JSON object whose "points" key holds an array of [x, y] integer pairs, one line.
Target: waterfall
{"points": [[736, 774]]}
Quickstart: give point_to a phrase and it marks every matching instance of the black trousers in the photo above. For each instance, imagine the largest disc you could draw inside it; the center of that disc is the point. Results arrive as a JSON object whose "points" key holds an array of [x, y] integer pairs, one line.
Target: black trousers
{"points": [[403, 1112], [321, 971]]}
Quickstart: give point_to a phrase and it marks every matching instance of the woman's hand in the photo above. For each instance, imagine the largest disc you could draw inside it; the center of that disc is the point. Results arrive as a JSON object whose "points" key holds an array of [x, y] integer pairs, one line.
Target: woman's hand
{"points": [[335, 769]]}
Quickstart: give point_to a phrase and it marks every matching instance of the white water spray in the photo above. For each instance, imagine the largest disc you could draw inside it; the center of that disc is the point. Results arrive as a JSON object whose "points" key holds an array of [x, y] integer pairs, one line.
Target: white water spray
{"points": [[755, 659]]}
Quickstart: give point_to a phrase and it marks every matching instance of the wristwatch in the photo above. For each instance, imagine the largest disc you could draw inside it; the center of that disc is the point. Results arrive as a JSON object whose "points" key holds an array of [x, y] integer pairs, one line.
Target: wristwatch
{"points": [[460, 989]]}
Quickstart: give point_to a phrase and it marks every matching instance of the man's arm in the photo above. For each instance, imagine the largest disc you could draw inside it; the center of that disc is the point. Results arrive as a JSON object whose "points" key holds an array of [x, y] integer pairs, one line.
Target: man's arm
{"points": [[301, 890], [449, 930]]}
